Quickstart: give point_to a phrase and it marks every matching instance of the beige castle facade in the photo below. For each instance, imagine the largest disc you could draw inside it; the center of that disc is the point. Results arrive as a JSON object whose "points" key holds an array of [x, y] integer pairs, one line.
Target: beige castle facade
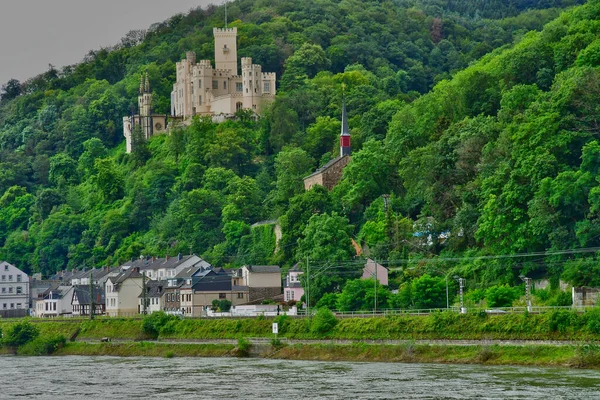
{"points": [[221, 91], [201, 89]]}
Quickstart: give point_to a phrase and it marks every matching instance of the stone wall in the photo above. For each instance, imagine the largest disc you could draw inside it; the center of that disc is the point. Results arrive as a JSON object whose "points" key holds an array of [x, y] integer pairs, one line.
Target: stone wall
{"points": [[333, 174], [585, 296]]}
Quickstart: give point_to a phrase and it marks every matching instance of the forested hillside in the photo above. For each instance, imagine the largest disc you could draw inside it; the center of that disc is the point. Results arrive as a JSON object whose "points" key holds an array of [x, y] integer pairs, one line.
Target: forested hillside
{"points": [[480, 125]]}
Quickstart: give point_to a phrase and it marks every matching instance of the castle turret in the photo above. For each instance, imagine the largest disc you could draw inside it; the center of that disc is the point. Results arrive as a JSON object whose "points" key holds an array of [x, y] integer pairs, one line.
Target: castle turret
{"points": [[345, 149], [251, 80], [226, 49]]}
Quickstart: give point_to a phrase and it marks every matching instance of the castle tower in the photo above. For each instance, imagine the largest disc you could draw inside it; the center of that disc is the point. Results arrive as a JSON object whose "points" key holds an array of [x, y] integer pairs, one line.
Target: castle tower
{"points": [[345, 149], [226, 49], [145, 106], [251, 80]]}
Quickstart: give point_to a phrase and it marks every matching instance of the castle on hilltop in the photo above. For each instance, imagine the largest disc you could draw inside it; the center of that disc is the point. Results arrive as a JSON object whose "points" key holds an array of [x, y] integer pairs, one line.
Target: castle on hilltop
{"points": [[201, 89]]}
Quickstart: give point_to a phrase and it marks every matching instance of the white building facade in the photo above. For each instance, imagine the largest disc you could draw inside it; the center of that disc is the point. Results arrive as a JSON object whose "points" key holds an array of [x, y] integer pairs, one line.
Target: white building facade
{"points": [[14, 290]]}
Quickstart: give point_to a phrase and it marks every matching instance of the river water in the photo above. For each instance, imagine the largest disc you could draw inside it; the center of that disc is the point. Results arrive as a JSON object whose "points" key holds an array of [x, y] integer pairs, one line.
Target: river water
{"points": [[227, 378]]}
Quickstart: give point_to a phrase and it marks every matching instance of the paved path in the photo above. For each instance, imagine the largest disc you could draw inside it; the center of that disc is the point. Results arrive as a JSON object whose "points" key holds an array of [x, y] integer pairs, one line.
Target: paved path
{"points": [[485, 342]]}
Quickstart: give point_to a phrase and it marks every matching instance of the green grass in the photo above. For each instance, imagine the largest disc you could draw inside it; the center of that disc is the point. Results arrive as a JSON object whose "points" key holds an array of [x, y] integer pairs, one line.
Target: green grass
{"points": [[146, 349]]}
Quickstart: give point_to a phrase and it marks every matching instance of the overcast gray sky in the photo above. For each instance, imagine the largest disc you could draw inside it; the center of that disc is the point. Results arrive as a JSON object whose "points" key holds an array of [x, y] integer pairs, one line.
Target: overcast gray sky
{"points": [[35, 33]]}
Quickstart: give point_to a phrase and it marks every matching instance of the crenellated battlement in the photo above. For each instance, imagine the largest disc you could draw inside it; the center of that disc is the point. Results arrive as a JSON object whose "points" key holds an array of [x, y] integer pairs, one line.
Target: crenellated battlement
{"points": [[232, 31], [204, 64]]}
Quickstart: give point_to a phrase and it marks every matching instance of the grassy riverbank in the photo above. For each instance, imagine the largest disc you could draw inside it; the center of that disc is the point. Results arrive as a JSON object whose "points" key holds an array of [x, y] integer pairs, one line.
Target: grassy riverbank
{"points": [[574, 356], [82, 337], [557, 325]]}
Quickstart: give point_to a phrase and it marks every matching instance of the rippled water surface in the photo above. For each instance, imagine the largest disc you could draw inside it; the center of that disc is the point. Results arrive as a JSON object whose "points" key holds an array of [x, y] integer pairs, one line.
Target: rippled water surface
{"points": [[226, 378]]}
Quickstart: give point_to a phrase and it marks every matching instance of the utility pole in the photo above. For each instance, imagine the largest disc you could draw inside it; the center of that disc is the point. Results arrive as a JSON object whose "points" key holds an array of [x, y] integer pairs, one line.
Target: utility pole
{"points": [[92, 306], [461, 285], [144, 293], [375, 305], [447, 297], [527, 291], [307, 296]]}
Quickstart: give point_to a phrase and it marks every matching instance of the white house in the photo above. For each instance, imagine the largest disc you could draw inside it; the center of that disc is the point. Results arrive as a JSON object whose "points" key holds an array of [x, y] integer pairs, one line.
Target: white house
{"points": [[14, 291], [373, 270], [122, 293], [56, 302]]}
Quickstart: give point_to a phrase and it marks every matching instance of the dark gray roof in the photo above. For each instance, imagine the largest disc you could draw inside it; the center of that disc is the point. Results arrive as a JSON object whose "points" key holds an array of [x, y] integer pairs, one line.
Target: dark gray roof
{"points": [[129, 273], [155, 289], [293, 285], [325, 167], [263, 269], [83, 294], [154, 263]]}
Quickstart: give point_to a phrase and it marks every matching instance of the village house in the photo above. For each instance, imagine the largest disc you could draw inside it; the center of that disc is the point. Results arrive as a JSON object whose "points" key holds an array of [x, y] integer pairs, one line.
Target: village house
{"points": [[372, 270], [122, 293], [14, 291], [56, 302], [263, 281], [157, 268], [292, 287], [154, 297], [216, 285], [81, 303]]}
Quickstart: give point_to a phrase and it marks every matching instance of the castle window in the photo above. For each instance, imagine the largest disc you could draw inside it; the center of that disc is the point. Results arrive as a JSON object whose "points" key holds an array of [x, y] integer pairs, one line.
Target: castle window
{"points": [[267, 87], [199, 84], [215, 84], [199, 100], [238, 106], [224, 85], [239, 87]]}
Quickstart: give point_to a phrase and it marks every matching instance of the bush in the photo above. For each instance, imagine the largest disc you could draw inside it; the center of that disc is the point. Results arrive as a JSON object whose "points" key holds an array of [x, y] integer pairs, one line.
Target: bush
{"points": [[20, 333], [153, 324], [283, 322], [42, 346], [224, 305], [324, 321], [501, 296], [243, 347], [215, 305]]}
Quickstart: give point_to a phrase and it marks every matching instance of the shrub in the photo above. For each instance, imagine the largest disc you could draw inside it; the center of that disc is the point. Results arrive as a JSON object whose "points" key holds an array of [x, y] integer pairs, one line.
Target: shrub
{"points": [[243, 347], [20, 333], [42, 346], [283, 322], [324, 321], [225, 305], [501, 296], [155, 322], [215, 305]]}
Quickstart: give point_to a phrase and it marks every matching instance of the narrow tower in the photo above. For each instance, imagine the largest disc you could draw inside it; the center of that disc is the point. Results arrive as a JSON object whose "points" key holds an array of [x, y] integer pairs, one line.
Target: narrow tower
{"points": [[145, 106], [226, 49], [345, 149]]}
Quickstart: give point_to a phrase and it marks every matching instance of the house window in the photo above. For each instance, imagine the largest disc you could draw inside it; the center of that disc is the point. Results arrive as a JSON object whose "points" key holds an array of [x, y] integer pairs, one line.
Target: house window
{"points": [[47, 305], [19, 290], [3, 277], [19, 278], [224, 85], [222, 296], [215, 84], [267, 87], [10, 290], [12, 305], [18, 305], [53, 306], [3, 290], [10, 277], [239, 87], [6, 267], [240, 295]]}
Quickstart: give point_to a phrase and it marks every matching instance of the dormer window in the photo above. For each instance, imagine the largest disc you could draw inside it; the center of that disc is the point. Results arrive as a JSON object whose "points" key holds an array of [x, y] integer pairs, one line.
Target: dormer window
{"points": [[225, 49]]}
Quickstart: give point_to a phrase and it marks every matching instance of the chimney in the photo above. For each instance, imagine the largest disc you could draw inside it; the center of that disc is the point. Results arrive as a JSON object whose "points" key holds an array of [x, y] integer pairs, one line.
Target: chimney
{"points": [[153, 258], [166, 257], [179, 257]]}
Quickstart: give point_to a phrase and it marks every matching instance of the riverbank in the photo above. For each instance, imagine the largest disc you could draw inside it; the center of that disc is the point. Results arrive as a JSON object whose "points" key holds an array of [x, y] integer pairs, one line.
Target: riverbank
{"points": [[570, 355]]}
